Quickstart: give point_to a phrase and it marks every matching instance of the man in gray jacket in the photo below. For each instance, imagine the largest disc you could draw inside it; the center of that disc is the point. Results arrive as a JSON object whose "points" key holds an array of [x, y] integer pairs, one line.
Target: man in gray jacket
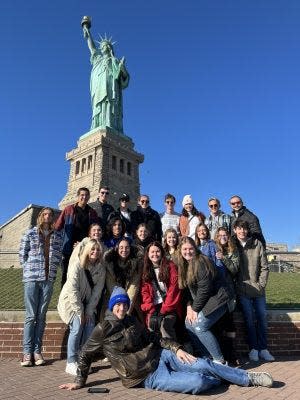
{"points": [[251, 282]]}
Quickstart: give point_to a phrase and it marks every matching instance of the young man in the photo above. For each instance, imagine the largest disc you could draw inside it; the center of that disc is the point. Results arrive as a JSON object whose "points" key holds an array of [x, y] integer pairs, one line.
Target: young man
{"points": [[217, 218], [170, 219], [102, 207], [251, 282], [145, 214], [142, 359], [239, 211], [40, 256], [75, 219]]}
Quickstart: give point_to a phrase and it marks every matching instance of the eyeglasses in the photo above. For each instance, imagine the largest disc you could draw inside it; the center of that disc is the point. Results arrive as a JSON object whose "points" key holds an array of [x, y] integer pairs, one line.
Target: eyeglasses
{"points": [[169, 202], [235, 203], [145, 201], [103, 192], [213, 205], [124, 200]]}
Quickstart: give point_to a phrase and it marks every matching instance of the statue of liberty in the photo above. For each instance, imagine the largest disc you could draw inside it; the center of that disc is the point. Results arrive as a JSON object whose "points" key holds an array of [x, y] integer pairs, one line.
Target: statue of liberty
{"points": [[108, 78]]}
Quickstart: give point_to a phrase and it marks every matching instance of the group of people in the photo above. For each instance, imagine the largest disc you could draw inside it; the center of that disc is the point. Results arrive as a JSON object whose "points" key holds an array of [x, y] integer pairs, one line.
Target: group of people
{"points": [[149, 291]]}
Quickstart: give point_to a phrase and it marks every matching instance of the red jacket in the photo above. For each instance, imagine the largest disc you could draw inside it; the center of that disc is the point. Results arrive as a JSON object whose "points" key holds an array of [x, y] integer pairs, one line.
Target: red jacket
{"points": [[172, 302]]}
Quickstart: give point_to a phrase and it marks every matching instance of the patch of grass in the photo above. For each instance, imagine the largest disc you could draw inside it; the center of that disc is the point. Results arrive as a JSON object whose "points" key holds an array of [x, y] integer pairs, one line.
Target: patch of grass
{"points": [[11, 290], [282, 290]]}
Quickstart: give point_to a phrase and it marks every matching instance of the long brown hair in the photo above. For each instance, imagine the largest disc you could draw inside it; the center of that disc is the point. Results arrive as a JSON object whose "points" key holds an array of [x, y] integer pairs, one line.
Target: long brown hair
{"points": [[148, 269], [40, 219], [164, 240], [188, 270], [197, 240], [227, 248]]}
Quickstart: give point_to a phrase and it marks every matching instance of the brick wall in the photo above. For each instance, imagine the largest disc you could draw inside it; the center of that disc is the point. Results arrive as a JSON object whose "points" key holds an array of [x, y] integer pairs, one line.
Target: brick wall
{"points": [[283, 335]]}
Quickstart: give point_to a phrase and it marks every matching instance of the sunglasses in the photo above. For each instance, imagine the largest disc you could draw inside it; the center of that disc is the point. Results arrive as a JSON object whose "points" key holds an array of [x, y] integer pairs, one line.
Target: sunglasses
{"points": [[213, 205], [236, 203], [145, 201], [107, 193], [169, 202]]}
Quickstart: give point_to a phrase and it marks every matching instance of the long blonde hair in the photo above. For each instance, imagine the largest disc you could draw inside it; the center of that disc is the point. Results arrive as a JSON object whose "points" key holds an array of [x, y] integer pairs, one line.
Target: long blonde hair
{"points": [[188, 271], [84, 256], [229, 247], [40, 221]]}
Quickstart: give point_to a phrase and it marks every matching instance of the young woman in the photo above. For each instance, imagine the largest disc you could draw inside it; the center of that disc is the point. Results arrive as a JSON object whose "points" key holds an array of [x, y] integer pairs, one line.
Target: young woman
{"points": [[207, 246], [40, 256], [227, 255], [190, 217], [115, 230], [208, 296], [123, 266], [79, 298], [142, 237], [161, 297], [170, 243], [95, 232]]}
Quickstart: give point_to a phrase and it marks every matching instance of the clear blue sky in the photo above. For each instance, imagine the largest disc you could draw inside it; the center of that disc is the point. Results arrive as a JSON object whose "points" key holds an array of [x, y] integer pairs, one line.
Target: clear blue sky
{"points": [[213, 100]]}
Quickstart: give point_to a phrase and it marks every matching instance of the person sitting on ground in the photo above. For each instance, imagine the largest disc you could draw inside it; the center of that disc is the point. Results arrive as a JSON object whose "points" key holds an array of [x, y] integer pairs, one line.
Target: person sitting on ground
{"points": [[143, 359], [79, 298], [160, 294]]}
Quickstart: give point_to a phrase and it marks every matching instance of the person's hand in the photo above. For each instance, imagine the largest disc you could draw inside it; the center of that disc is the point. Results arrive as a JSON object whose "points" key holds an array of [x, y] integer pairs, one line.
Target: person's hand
{"points": [[69, 386], [191, 315], [87, 319], [75, 244], [219, 255], [185, 357]]}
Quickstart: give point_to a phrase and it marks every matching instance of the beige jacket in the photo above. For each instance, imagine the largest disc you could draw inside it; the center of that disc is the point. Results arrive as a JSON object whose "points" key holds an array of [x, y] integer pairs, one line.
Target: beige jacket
{"points": [[77, 291], [254, 270]]}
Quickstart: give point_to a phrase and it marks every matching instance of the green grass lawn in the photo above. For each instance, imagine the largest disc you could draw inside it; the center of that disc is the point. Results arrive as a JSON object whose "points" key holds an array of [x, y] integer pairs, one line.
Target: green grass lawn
{"points": [[283, 290]]}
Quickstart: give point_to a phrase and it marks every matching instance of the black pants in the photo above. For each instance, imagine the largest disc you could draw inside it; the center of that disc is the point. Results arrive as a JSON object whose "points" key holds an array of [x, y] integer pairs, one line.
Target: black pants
{"points": [[65, 264]]}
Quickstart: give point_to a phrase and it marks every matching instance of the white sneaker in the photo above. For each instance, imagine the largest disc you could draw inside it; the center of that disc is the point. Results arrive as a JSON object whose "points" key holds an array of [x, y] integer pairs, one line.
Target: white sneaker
{"points": [[253, 355], [71, 368], [266, 355]]}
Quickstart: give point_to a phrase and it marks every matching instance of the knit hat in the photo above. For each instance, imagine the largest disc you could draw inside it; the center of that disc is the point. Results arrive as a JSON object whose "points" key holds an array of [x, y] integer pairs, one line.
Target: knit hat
{"points": [[118, 295], [187, 199]]}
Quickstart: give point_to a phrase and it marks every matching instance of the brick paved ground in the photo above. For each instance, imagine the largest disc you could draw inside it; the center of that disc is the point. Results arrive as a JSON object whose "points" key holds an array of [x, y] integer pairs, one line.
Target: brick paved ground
{"points": [[42, 383]]}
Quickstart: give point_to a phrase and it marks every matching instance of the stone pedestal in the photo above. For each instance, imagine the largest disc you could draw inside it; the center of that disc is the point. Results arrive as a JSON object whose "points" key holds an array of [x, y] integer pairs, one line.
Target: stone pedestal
{"points": [[103, 158]]}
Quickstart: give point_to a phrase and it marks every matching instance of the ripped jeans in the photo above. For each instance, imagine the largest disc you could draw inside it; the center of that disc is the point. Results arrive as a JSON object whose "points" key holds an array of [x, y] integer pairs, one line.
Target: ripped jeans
{"points": [[200, 329]]}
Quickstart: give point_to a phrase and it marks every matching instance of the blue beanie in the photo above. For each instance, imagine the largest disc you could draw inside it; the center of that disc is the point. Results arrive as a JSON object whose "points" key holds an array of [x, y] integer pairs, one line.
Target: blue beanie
{"points": [[118, 295]]}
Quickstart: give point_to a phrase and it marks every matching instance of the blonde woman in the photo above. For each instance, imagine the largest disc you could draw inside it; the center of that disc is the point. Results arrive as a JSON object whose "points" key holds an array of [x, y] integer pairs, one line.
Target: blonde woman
{"points": [[79, 298]]}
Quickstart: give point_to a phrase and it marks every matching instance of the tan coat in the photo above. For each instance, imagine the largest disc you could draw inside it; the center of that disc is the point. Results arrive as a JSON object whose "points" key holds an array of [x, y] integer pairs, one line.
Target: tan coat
{"points": [[254, 270], [77, 290]]}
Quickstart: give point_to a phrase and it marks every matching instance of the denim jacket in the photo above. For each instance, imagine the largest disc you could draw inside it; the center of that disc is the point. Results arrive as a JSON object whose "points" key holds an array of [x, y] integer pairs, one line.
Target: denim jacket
{"points": [[32, 257]]}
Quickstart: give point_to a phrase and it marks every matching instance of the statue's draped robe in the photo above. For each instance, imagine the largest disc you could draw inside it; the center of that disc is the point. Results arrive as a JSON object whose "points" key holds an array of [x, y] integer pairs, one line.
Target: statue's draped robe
{"points": [[108, 78]]}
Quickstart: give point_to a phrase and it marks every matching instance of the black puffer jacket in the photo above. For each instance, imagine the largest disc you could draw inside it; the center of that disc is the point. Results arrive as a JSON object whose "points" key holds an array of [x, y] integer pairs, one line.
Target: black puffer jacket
{"points": [[133, 351], [254, 225]]}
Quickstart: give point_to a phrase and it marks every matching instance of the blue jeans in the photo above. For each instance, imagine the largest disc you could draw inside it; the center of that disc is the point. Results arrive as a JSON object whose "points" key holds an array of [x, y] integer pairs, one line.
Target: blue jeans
{"points": [[256, 334], [78, 335], [172, 375], [200, 329], [37, 296]]}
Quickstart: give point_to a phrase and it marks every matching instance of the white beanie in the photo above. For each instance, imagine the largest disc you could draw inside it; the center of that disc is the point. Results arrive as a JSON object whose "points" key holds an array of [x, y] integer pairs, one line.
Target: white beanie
{"points": [[187, 199]]}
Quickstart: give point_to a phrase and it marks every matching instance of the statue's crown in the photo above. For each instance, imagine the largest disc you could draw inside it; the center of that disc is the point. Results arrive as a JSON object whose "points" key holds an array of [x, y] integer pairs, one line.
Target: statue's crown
{"points": [[105, 39]]}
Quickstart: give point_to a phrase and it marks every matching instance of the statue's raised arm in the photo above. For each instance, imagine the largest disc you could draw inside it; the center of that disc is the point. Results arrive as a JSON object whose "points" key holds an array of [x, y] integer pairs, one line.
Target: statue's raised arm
{"points": [[109, 77]]}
